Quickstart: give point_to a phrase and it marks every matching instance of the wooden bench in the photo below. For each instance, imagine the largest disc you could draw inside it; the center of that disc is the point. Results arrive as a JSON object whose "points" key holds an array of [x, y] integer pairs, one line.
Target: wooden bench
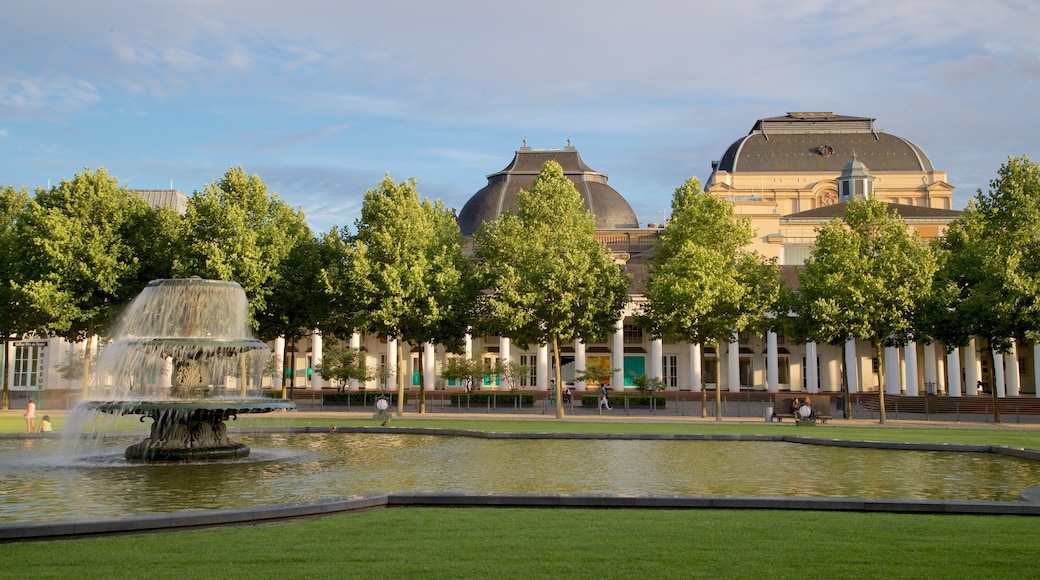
{"points": [[782, 407]]}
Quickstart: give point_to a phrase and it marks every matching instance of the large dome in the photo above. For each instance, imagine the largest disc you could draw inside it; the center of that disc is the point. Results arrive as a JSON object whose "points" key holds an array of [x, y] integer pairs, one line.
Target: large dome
{"points": [[820, 142], [611, 210]]}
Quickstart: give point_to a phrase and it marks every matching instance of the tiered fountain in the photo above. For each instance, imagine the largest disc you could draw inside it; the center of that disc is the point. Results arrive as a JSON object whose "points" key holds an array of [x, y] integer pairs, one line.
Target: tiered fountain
{"points": [[183, 355]]}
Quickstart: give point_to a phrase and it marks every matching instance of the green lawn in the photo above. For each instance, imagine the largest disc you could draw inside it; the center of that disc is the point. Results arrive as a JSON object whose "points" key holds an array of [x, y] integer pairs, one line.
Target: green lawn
{"points": [[1008, 434], [578, 543]]}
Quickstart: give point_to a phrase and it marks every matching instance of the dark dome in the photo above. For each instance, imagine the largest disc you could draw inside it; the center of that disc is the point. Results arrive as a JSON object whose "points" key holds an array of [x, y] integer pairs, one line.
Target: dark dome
{"points": [[820, 142], [611, 210]]}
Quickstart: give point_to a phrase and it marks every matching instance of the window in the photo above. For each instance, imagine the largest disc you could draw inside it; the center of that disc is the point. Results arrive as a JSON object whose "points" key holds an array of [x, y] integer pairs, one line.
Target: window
{"points": [[783, 370], [530, 378], [670, 370], [708, 370], [746, 375], [27, 365], [632, 334]]}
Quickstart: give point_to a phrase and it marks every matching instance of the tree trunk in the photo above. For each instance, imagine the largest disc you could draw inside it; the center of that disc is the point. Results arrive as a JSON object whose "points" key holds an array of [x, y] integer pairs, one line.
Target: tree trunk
{"points": [[400, 377], [285, 358], [993, 383], [422, 376], [557, 376], [5, 394], [879, 353], [718, 382], [86, 364]]}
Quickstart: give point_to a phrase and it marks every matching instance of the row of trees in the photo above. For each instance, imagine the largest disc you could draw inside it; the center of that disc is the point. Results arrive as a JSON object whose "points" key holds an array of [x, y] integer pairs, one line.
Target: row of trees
{"points": [[79, 251]]}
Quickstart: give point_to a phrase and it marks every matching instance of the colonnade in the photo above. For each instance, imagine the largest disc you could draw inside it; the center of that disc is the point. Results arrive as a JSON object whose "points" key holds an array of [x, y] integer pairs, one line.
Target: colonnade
{"points": [[955, 374]]}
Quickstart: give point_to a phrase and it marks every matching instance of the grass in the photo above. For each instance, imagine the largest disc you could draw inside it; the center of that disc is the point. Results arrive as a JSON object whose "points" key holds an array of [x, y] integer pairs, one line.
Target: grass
{"points": [[945, 432], [579, 543]]}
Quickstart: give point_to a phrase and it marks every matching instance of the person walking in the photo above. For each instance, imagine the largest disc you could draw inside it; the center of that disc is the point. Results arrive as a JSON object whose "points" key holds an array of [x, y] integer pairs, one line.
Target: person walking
{"points": [[603, 402], [30, 415]]}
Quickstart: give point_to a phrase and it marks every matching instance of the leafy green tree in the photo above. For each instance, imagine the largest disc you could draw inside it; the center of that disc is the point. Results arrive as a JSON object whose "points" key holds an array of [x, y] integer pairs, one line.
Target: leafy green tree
{"points": [[13, 316], [406, 271], [545, 277], [235, 230], [298, 301], [342, 364], [703, 286], [866, 278], [82, 247], [462, 370], [988, 279]]}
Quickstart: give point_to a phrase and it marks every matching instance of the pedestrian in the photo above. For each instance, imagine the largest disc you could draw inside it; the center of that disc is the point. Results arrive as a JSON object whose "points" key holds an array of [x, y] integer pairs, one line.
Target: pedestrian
{"points": [[45, 424], [30, 415], [603, 402]]}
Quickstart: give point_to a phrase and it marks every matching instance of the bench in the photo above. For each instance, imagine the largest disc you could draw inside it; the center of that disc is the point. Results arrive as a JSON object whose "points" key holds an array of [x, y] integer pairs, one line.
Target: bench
{"points": [[782, 407]]}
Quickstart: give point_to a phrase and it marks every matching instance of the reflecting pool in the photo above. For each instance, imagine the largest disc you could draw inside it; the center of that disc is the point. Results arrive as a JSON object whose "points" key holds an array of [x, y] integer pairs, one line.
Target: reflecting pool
{"points": [[39, 483]]}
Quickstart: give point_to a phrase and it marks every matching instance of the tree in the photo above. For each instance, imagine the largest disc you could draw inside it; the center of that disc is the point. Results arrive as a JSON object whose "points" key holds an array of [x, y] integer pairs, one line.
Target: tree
{"points": [[82, 247], [235, 230], [866, 278], [545, 277], [703, 286], [344, 364], [407, 273], [987, 283], [13, 315]]}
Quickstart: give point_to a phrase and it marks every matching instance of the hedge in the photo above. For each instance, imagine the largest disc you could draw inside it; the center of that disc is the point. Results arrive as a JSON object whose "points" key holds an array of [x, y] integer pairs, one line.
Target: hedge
{"points": [[506, 398], [619, 400]]}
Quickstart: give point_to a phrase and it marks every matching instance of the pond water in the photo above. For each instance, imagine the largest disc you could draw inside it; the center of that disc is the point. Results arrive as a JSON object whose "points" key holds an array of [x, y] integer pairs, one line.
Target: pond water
{"points": [[40, 483]]}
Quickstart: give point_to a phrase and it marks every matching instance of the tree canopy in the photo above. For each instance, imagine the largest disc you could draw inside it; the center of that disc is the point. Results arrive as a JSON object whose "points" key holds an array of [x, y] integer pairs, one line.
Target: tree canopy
{"points": [[545, 277], [866, 278], [406, 270], [703, 285], [235, 230]]}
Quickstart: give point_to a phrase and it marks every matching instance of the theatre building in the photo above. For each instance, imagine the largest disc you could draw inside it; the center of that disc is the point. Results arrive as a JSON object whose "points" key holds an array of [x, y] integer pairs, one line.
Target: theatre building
{"points": [[788, 175]]}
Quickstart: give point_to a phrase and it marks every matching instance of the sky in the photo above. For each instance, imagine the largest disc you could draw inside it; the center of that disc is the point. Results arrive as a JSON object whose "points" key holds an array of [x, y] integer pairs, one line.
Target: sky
{"points": [[323, 98]]}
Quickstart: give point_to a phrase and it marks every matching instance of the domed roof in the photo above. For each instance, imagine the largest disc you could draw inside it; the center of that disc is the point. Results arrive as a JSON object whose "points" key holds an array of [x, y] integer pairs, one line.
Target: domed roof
{"points": [[820, 142], [603, 201]]}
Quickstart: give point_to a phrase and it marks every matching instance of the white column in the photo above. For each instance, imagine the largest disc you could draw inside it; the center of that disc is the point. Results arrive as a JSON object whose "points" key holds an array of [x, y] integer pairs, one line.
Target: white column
{"points": [[930, 376], [279, 361], [580, 364], [656, 349], [617, 356], [812, 382], [504, 357], [851, 365], [696, 377], [910, 356], [316, 355], [542, 373], [355, 344], [772, 363], [733, 362], [1036, 374], [391, 364], [467, 347], [892, 385], [953, 373], [998, 374], [1011, 377], [972, 372], [428, 352]]}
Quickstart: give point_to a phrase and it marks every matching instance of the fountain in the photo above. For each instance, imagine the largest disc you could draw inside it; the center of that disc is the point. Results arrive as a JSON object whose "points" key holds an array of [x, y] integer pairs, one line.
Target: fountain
{"points": [[184, 357]]}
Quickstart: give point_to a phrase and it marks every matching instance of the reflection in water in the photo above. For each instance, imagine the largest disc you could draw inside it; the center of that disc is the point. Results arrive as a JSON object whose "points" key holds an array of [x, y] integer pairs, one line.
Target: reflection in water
{"points": [[38, 483]]}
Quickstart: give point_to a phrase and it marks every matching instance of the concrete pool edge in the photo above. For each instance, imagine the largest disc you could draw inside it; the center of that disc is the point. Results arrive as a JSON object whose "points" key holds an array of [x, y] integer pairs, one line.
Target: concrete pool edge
{"points": [[19, 532]]}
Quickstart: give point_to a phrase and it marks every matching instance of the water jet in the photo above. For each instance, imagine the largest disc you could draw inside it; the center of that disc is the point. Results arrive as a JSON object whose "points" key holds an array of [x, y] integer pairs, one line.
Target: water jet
{"points": [[183, 356]]}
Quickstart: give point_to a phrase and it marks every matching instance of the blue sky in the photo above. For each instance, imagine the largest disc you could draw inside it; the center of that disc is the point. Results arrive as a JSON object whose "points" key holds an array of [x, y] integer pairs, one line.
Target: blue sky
{"points": [[322, 98]]}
